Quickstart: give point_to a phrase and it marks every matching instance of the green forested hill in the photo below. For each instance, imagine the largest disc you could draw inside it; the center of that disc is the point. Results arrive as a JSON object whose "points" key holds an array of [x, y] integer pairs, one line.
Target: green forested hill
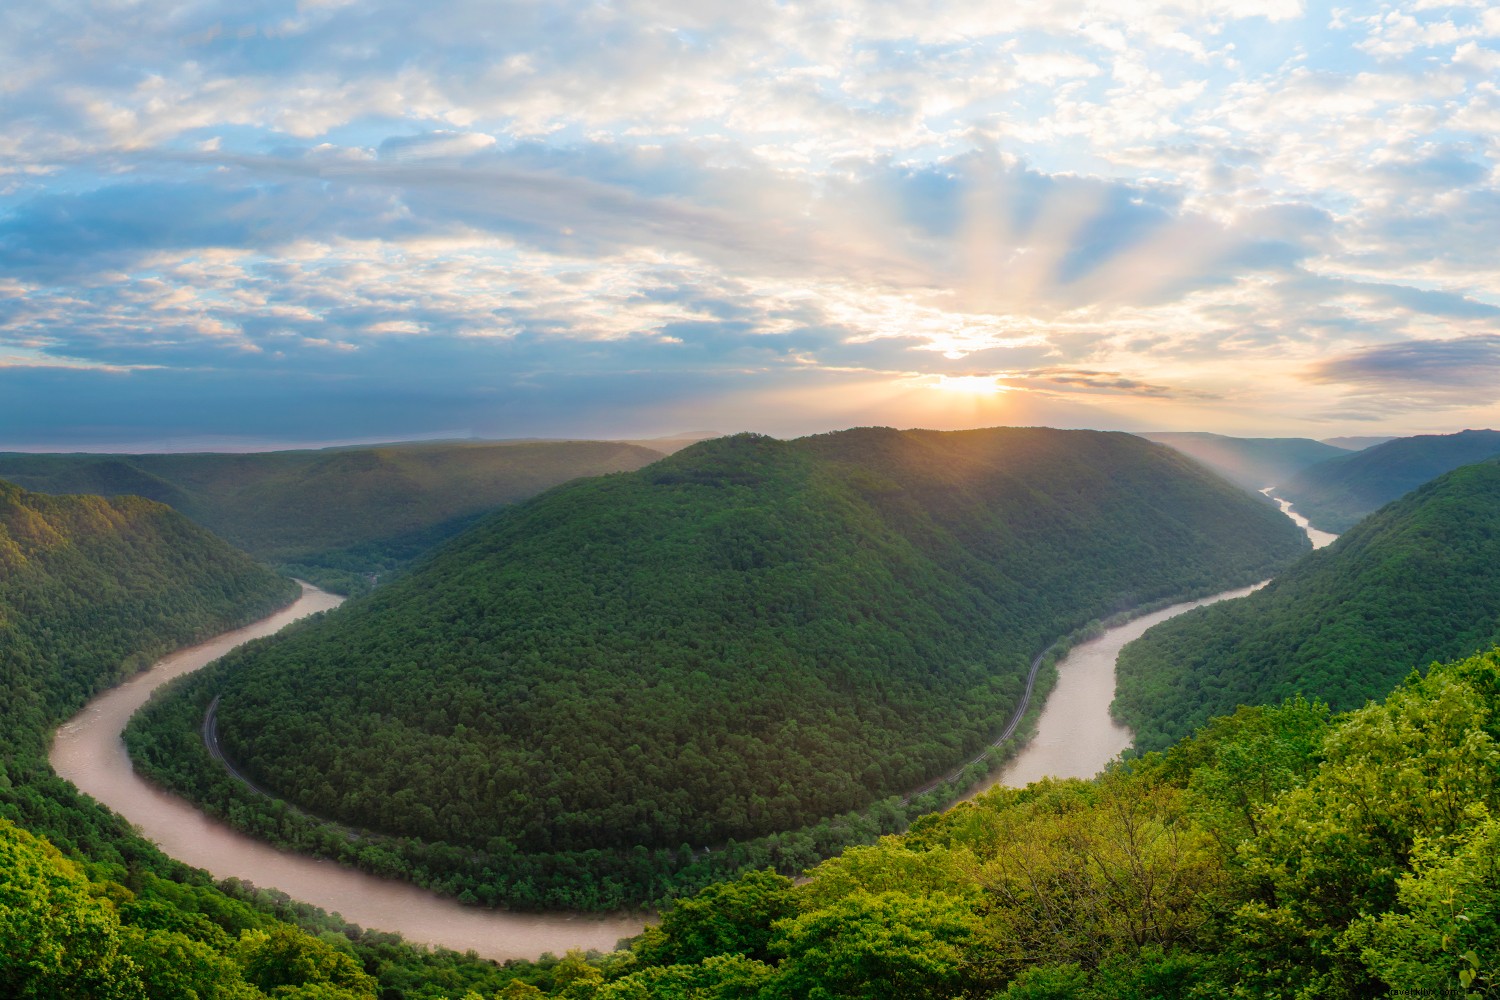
{"points": [[743, 638], [1253, 463], [91, 589], [338, 512], [1416, 582], [1335, 494]]}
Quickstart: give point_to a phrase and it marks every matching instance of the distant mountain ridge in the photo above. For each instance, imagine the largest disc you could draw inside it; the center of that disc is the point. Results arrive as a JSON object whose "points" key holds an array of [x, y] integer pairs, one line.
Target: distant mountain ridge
{"points": [[1253, 463], [1335, 494], [1359, 443], [336, 513], [1415, 582], [743, 638]]}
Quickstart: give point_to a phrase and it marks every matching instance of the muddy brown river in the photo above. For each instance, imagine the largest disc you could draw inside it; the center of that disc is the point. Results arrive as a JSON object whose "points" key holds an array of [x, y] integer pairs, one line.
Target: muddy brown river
{"points": [[88, 751], [1075, 738]]}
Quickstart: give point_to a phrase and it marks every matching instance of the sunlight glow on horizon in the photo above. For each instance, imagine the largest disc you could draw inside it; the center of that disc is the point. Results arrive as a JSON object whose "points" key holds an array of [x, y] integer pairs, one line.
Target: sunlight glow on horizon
{"points": [[976, 385]]}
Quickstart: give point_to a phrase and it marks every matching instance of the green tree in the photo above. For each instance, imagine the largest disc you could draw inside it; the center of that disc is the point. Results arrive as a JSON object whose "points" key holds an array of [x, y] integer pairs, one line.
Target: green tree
{"points": [[284, 958], [57, 940], [872, 947]]}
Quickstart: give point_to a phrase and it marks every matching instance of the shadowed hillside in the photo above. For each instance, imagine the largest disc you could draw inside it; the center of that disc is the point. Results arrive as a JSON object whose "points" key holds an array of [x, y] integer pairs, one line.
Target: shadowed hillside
{"points": [[1416, 582], [337, 515]]}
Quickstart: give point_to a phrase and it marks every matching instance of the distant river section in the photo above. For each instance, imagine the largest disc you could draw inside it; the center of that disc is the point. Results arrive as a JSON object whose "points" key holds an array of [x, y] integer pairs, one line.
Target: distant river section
{"points": [[1075, 734]]}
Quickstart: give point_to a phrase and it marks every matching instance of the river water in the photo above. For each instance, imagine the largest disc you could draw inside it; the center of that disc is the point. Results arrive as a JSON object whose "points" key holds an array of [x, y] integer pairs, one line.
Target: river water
{"points": [[1075, 735], [1075, 738], [89, 752]]}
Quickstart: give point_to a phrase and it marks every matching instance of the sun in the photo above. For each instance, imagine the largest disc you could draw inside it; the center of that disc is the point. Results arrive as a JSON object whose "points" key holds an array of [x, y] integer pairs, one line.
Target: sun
{"points": [[970, 385]]}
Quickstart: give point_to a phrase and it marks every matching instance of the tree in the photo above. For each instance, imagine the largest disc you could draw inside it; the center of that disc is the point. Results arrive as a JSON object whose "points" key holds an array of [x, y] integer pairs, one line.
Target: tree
{"points": [[57, 940]]}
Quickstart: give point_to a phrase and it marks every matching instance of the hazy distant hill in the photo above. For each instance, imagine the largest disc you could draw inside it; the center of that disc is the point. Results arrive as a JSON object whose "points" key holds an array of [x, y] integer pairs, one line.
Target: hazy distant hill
{"points": [[742, 638], [1253, 463], [1333, 495], [355, 510], [1416, 582], [1358, 443]]}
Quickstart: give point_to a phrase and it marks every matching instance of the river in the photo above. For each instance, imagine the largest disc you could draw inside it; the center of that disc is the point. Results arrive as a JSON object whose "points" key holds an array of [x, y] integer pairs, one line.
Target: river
{"points": [[1075, 734], [88, 751], [1075, 738]]}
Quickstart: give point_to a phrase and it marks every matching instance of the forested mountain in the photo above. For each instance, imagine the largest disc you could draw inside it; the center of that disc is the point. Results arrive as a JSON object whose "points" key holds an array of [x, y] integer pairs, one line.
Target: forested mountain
{"points": [[335, 515], [91, 590], [1335, 494], [744, 638], [1416, 582], [1278, 853], [1253, 463]]}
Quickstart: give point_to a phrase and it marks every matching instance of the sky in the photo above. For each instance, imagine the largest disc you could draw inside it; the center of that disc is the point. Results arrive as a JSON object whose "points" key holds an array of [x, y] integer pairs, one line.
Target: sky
{"points": [[270, 224]]}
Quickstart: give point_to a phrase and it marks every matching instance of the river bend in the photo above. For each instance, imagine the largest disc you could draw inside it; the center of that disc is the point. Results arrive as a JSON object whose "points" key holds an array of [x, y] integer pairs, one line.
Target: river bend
{"points": [[1076, 737], [88, 751]]}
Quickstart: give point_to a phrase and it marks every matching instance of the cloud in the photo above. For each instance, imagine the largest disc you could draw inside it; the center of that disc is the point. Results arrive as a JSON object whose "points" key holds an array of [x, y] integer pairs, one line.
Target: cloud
{"points": [[1109, 383], [1141, 203], [1417, 373]]}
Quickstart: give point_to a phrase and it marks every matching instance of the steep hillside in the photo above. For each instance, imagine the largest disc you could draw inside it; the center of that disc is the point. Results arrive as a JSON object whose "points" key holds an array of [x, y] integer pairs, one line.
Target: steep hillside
{"points": [[338, 513], [1253, 463], [91, 588], [744, 638], [1335, 494], [1416, 582]]}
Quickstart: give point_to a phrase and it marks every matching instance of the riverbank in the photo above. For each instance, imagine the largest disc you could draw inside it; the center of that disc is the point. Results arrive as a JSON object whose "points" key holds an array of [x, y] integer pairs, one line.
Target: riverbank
{"points": [[88, 751], [1075, 734]]}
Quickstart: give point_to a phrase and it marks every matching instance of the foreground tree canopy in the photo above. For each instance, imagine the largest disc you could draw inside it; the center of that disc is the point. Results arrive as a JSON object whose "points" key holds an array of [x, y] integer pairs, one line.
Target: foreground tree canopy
{"points": [[745, 638], [1415, 582]]}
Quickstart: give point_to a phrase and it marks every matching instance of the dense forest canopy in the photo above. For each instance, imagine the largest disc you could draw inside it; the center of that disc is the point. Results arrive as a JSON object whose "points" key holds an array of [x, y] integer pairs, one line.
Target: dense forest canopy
{"points": [[744, 638], [1253, 463], [1416, 582], [337, 515], [1335, 494]]}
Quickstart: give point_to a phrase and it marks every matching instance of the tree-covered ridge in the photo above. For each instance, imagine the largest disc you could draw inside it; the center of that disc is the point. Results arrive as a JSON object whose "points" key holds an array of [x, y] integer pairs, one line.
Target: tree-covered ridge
{"points": [[1253, 463], [1416, 582], [92, 588], [1277, 853], [1335, 494], [746, 637], [336, 514]]}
